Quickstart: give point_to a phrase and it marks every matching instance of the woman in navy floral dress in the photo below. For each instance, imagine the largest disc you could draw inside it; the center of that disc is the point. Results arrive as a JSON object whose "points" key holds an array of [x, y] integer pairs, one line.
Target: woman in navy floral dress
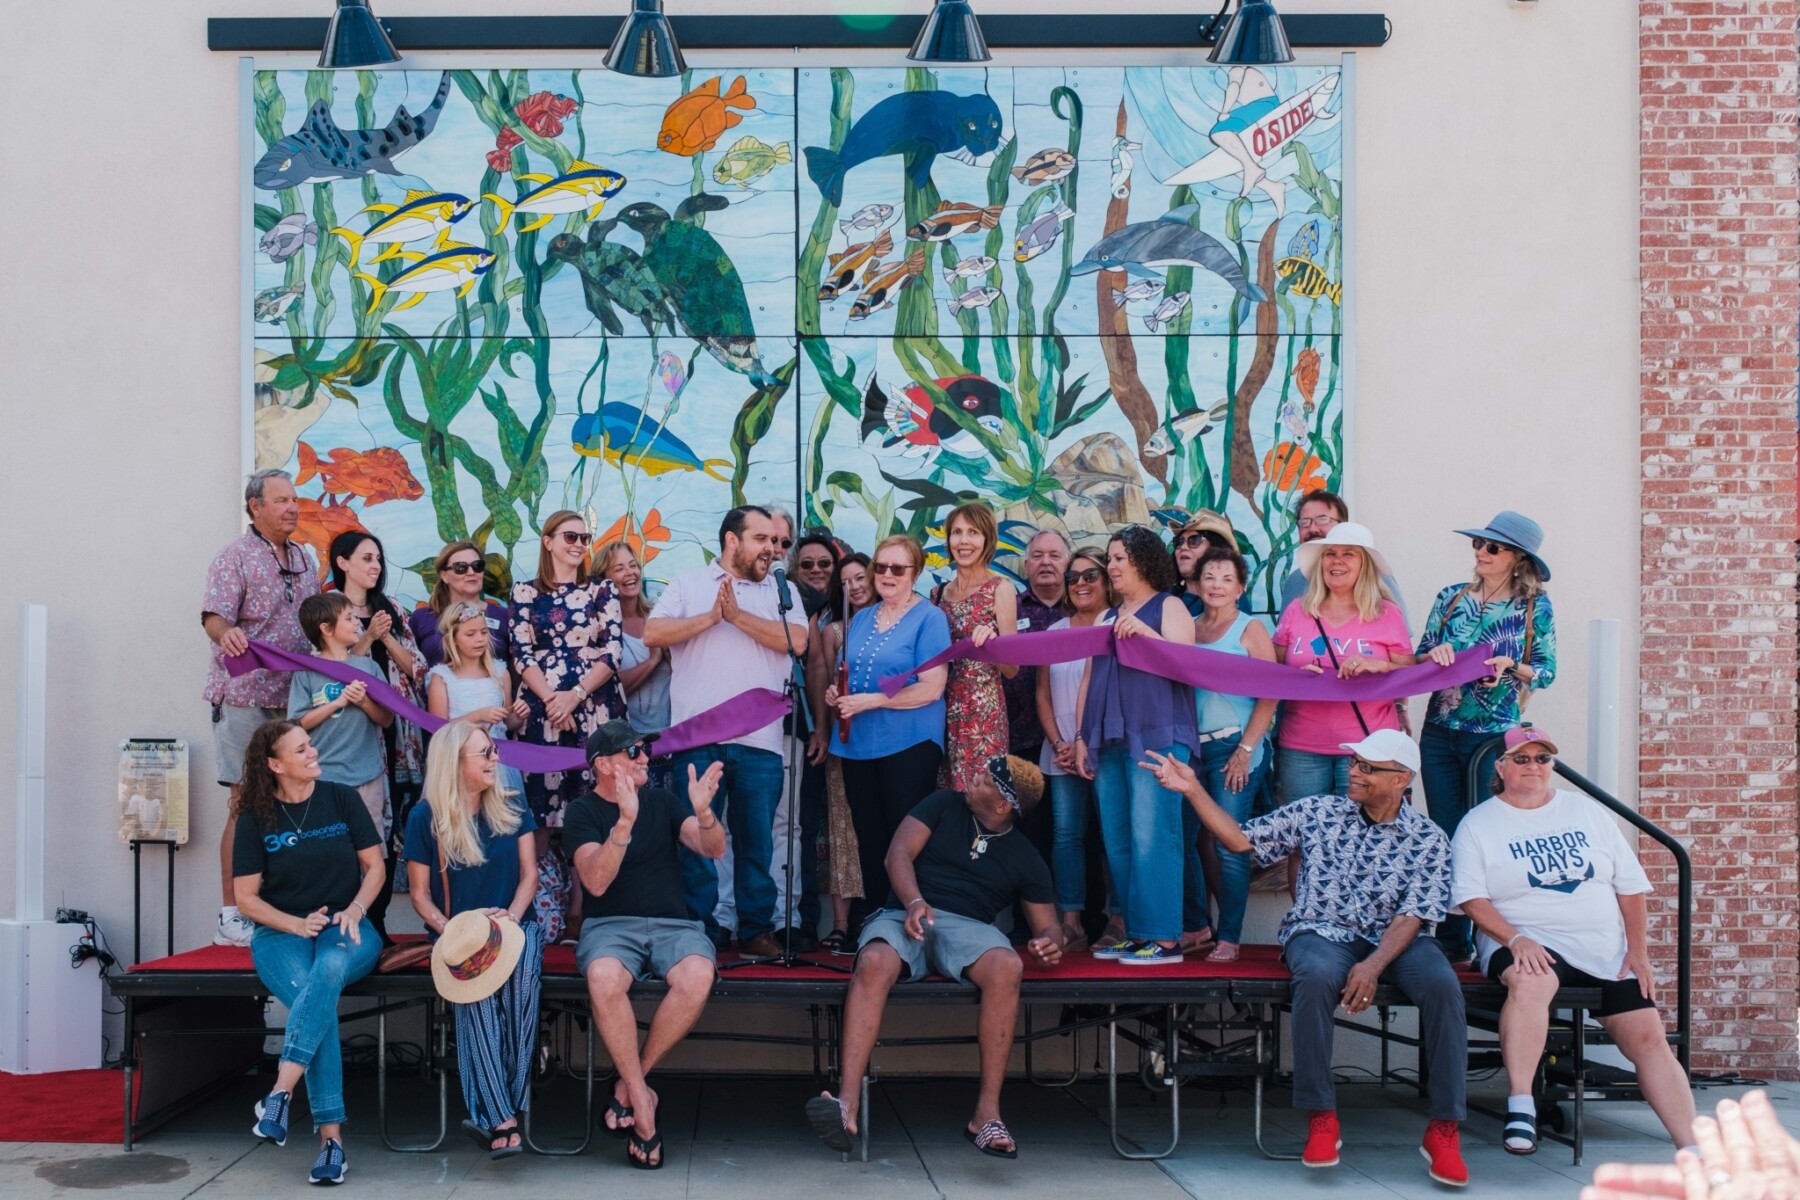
{"points": [[566, 647]]}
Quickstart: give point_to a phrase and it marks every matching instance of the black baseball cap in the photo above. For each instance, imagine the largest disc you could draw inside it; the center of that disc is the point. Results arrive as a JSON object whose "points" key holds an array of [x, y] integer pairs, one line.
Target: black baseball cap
{"points": [[615, 737]]}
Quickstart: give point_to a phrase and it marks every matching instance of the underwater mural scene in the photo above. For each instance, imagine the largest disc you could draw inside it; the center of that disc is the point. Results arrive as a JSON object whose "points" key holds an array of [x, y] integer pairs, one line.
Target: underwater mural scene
{"points": [[1090, 296]]}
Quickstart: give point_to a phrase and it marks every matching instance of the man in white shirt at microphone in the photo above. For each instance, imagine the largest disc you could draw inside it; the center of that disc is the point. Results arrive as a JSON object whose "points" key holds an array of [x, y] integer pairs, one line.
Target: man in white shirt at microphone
{"points": [[726, 634]]}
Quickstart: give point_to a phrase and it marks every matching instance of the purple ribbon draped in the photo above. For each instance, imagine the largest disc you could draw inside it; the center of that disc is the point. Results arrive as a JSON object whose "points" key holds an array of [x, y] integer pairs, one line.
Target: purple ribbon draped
{"points": [[743, 713], [1214, 670]]}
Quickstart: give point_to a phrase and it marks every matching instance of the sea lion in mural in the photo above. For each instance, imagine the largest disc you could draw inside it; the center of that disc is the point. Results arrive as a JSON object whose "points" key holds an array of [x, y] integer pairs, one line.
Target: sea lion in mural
{"points": [[919, 125], [613, 276], [321, 150], [1168, 241], [701, 281]]}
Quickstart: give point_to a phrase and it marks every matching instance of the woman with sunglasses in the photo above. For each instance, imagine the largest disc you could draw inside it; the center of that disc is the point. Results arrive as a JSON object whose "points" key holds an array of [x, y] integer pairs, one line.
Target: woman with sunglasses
{"points": [[896, 743], [1087, 594], [567, 646], [1504, 606], [847, 592], [1559, 898], [461, 570]]}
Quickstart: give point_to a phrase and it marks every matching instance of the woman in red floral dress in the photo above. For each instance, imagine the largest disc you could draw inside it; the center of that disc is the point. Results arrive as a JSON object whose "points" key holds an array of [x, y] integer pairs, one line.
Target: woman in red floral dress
{"points": [[980, 606]]}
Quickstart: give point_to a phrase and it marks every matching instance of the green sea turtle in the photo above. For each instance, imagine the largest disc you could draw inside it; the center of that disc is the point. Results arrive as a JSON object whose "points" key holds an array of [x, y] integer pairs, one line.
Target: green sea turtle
{"points": [[614, 276], [700, 278]]}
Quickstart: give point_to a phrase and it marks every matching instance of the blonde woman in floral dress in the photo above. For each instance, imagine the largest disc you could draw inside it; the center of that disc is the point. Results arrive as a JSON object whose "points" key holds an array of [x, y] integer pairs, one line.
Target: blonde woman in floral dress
{"points": [[978, 609]]}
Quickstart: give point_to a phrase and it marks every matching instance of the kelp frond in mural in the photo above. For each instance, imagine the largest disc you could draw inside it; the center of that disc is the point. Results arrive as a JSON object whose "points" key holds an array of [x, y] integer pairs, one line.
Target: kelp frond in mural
{"points": [[1089, 296]]}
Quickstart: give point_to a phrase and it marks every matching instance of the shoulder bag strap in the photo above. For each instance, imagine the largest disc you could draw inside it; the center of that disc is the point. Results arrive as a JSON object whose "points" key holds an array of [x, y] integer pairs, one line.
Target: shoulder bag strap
{"points": [[1332, 652]]}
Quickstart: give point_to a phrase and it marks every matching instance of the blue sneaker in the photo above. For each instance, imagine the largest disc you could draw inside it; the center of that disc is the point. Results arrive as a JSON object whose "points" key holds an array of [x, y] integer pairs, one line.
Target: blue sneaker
{"points": [[1152, 955], [272, 1118], [330, 1166], [1118, 949]]}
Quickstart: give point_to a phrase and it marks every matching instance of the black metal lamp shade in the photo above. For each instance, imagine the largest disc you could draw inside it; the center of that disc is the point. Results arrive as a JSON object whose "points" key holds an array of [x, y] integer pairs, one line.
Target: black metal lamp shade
{"points": [[951, 35], [645, 44], [356, 39], [1254, 38]]}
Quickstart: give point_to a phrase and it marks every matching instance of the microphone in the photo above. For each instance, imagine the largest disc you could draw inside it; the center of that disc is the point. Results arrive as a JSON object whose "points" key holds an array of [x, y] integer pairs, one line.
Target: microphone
{"points": [[781, 583]]}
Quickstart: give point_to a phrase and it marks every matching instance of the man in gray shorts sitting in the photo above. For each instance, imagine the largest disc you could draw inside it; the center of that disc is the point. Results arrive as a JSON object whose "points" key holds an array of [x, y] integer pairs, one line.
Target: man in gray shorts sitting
{"points": [[623, 838], [956, 863]]}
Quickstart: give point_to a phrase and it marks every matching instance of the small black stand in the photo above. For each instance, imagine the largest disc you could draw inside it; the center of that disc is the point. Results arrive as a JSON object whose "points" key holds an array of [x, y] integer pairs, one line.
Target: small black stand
{"points": [[797, 733], [137, 894]]}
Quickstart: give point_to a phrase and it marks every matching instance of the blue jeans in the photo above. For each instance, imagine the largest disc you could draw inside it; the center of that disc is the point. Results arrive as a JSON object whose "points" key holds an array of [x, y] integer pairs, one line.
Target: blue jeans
{"points": [[1141, 825], [1071, 805], [1444, 758], [1233, 884], [308, 975], [746, 803], [1303, 773]]}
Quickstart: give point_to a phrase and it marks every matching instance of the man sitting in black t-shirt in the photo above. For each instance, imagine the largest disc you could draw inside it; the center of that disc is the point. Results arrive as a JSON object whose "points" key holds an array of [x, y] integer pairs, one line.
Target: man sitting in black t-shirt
{"points": [[954, 867], [623, 842]]}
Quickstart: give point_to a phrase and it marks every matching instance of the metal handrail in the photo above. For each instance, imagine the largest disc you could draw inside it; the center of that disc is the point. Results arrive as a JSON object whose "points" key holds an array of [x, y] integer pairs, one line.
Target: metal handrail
{"points": [[1684, 881]]}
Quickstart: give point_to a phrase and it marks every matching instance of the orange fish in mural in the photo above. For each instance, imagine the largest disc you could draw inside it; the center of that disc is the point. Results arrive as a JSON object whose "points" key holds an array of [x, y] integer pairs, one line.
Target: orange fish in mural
{"points": [[699, 119], [375, 475], [639, 536], [319, 523], [1291, 468], [1306, 376]]}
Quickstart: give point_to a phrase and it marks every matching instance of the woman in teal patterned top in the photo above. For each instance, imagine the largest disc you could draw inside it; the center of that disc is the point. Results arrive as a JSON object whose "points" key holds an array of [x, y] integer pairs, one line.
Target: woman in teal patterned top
{"points": [[1504, 606]]}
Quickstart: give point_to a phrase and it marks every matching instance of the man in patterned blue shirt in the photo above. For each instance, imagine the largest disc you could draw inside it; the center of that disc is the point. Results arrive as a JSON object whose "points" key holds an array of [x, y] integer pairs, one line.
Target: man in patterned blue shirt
{"points": [[1374, 882]]}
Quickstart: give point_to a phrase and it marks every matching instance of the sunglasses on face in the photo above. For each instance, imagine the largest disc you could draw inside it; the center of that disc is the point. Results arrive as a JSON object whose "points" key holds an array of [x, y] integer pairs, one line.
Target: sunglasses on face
{"points": [[784, 543], [1542, 760], [1190, 540], [492, 752], [1362, 767], [571, 538], [1086, 575], [636, 752], [814, 564], [895, 569], [465, 568], [1481, 544]]}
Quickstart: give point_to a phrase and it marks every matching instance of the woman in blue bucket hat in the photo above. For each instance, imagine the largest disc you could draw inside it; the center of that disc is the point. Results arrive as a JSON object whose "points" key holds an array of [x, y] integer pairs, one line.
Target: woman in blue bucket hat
{"points": [[1504, 605]]}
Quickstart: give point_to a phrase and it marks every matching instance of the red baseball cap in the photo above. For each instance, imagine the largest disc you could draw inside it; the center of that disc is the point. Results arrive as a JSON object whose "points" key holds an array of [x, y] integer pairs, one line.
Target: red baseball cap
{"points": [[1526, 735]]}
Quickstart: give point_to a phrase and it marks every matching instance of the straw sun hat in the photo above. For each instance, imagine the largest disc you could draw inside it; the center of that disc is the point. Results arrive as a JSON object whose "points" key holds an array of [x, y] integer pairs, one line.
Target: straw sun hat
{"points": [[475, 956]]}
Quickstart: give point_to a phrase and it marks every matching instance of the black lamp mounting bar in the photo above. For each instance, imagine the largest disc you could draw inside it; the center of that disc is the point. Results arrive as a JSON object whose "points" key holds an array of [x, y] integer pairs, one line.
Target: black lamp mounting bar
{"points": [[752, 31]]}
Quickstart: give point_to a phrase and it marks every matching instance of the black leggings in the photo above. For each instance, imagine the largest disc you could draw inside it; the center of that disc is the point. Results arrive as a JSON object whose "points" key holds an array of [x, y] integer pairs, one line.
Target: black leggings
{"points": [[881, 792]]}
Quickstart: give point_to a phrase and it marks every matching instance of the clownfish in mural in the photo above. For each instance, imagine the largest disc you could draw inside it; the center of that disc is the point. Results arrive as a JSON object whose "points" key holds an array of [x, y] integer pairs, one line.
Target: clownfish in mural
{"points": [[625, 435], [584, 187]]}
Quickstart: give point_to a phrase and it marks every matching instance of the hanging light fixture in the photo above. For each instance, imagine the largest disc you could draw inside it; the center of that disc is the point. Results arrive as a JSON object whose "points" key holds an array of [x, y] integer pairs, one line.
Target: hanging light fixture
{"points": [[951, 35], [1253, 37], [356, 39], [645, 43]]}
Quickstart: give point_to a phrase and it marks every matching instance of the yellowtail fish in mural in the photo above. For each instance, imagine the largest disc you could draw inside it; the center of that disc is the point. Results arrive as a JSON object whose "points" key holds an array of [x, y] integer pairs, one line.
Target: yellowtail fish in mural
{"points": [[456, 267], [1183, 429], [419, 216], [841, 268], [625, 435], [584, 187], [699, 119], [1046, 166], [881, 283], [749, 158], [954, 220]]}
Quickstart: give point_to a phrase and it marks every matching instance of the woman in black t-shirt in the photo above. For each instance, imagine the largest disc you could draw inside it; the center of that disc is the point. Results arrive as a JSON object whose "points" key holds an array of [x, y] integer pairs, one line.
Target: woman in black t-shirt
{"points": [[306, 863]]}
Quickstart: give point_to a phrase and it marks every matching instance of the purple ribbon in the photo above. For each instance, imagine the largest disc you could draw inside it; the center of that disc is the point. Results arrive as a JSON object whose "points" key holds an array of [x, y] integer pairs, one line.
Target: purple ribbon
{"points": [[744, 713], [1214, 670]]}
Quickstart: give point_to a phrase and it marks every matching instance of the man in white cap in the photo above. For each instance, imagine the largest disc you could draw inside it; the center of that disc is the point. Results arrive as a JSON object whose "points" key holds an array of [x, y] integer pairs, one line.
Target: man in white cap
{"points": [[1374, 882]]}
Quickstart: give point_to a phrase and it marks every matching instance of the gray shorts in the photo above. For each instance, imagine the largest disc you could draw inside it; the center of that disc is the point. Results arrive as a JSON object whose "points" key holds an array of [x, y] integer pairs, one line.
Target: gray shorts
{"points": [[648, 947], [951, 945], [231, 737]]}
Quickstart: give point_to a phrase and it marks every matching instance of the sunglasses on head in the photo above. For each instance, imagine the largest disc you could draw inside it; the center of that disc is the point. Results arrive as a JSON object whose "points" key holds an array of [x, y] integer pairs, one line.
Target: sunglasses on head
{"points": [[1492, 547], [1085, 575], [465, 568], [1541, 759], [882, 568], [570, 537]]}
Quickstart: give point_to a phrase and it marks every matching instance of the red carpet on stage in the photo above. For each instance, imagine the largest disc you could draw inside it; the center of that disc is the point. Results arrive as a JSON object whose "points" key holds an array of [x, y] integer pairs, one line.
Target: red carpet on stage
{"points": [[63, 1106]]}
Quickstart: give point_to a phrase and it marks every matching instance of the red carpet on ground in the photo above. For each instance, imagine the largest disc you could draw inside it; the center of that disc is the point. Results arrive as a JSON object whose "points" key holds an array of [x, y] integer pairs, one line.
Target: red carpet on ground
{"points": [[62, 1106]]}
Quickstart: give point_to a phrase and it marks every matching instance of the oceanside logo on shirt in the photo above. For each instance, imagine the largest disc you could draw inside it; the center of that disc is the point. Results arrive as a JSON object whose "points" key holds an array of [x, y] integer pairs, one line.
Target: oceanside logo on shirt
{"points": [[1555, 861], [274, 843]]}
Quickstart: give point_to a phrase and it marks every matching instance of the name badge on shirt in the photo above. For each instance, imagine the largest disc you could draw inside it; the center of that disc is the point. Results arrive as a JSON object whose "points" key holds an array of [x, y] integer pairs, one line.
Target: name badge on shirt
{"points": [[493, 622], [1024, 624]]}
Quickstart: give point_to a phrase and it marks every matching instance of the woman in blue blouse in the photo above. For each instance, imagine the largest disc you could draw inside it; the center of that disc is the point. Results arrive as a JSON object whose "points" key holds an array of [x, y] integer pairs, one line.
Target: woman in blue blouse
{"points": [[891, 757], [1504, 606]]}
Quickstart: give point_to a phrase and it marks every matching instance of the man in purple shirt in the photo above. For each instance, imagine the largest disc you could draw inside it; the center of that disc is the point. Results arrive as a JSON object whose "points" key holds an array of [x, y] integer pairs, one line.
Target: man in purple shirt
{"points": [[1040, 607], [253, 591]]}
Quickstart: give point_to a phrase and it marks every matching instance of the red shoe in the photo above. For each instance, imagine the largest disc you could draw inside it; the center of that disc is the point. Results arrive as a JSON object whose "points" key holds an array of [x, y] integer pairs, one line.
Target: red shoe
{"points": [[1322, 1140], [1443, 1150]]}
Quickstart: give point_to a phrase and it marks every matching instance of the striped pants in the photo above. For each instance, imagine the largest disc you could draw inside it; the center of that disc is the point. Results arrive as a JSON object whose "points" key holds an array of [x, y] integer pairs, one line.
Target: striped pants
{"points": [[496, 1039]]}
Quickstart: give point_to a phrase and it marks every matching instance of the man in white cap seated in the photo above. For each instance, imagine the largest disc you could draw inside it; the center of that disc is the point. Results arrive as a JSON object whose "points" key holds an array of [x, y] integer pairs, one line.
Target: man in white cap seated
{"points": [[1374, 882]]}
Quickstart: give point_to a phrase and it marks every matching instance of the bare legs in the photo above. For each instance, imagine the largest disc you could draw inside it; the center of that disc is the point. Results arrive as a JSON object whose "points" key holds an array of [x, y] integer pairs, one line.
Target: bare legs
{"points": [[609, 987]]}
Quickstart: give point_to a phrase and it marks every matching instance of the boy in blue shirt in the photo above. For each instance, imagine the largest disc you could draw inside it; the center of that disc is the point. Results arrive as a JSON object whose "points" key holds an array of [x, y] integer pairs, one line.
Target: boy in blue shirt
{"points": [[344, 722]]}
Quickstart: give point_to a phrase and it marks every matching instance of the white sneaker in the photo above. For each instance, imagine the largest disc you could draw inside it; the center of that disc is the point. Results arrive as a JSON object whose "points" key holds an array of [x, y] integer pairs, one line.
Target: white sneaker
{"points": [[234, 929]]}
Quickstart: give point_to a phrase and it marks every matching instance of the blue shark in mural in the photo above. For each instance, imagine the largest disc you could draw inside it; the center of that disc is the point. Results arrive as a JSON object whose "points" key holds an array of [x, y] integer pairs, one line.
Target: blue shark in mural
{"points": [[919, 125], [320, 150]]}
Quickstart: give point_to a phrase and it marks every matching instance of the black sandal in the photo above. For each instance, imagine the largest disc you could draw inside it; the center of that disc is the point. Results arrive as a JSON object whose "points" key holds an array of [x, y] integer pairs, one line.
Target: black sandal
{"points": [[620, 1113], [480, 1136], [514, 1143], [983, 1139], [828, 1120], [835, 941], [1522, 1127], [646, 1147]]}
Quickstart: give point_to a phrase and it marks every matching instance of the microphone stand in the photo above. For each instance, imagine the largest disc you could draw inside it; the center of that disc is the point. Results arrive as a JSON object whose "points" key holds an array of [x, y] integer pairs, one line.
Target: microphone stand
{"points": [[798, 727]]}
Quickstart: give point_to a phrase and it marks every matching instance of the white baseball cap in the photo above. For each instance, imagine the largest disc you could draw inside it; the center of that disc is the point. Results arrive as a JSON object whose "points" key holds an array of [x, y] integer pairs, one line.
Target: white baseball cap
{"points": [[1387, 745], [1344, 533]]}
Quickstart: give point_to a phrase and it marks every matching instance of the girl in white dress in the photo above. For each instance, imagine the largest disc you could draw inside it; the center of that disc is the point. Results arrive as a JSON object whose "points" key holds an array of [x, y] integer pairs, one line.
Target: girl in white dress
{"points": [[469, 686]]}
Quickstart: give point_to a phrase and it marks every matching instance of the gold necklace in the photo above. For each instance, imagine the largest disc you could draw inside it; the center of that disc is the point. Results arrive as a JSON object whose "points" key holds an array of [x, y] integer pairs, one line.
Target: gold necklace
{"points": [[979, 846]]}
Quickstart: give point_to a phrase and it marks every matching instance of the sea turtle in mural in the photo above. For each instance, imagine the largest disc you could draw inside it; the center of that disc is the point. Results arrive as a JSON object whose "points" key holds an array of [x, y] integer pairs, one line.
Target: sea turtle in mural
{"points": [[701, 280], [614, 277]]}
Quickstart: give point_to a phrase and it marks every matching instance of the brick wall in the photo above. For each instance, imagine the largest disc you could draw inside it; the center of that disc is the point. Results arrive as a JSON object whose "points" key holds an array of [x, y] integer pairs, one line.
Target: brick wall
{"points": [[1719, 272]]}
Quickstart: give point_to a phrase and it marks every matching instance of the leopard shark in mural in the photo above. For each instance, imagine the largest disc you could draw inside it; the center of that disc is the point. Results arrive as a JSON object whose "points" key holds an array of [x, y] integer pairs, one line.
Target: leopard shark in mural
{"points": [[321, 150]]}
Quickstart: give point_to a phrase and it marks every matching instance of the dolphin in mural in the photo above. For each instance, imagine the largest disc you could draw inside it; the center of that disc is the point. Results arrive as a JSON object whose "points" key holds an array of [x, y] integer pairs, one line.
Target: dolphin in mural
{"points": [[320, 150], [919, 125], [1168, 241]]}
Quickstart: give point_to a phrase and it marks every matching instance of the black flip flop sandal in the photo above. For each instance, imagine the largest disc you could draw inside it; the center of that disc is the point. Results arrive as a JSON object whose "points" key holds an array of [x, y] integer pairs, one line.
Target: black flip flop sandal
{"points": [[834, 941], [1520, 1126], [515, 1144], [983, 1139], [481, 1136], [826, 1115], [620, 1113], [646, 1147]]}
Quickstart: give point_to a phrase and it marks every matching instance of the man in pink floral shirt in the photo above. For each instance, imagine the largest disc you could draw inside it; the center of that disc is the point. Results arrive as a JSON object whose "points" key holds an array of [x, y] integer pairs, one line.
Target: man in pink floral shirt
{"points": [[253, 591]]}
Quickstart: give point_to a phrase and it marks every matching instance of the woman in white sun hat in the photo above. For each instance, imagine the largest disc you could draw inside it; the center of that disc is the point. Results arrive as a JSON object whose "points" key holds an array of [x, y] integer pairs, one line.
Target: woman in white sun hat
{"points": [[1345, 624]]}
